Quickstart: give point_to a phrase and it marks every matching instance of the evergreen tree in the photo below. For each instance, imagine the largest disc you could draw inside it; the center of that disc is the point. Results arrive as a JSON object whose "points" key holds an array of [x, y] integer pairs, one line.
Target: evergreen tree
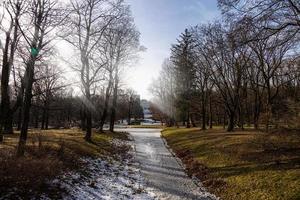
{"points": [[184, 63]]}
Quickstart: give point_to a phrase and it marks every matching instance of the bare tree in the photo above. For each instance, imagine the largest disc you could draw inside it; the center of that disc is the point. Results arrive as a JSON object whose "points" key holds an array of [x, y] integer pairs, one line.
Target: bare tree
{"points": [[123, 43], [14, 10], [164, 91], [271, 53], [45, 15], [47, 86], [203, 74], [238, 69], [86, 26], [270, 16]]}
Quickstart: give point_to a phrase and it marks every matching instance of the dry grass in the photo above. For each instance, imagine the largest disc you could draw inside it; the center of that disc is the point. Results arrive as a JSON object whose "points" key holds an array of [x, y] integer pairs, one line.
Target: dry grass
{"points": [[241, 165], [49, 154]]}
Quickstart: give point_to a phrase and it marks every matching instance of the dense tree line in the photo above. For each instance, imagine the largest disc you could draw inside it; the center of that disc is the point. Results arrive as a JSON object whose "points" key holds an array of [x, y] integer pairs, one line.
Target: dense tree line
{"points": [[35, 87], [244, 70]]}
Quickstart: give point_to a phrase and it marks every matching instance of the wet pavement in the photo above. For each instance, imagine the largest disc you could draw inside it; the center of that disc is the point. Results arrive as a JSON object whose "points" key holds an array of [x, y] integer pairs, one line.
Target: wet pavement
{"points": [[162, 171]]}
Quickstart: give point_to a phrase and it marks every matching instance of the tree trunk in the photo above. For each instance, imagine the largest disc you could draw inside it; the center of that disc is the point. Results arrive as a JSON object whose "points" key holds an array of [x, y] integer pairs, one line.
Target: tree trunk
{"points": [[43, 119], [26, 105], [8, 127], [188, 124], [88, 135], [47, 118], [269, 107], [112, 119], [256, 124], [203, 117], [210, 115], [129, 113], [129, 117], [107, 95], [103, 118], [193, 122], [6, 120], [37, 115], [224, 121], [269, 117], [82, 118], [19, 119], [29, 79], [176, 124], [256, 118], [241, 116], [231, 116], [5, 128], [114, 105]]}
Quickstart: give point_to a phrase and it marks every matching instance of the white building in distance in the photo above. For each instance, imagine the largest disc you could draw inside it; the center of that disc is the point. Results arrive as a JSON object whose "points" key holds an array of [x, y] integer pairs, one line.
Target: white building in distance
{"points": [[146, 109]]}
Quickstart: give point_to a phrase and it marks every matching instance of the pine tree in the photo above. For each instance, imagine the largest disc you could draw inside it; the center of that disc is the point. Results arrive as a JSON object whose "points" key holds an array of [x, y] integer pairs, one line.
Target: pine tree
{"points": [[184, 62]]}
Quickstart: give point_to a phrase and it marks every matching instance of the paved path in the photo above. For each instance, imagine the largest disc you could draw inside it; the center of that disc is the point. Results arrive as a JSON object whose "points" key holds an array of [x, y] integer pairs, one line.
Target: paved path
{"points": [[162, 171]]}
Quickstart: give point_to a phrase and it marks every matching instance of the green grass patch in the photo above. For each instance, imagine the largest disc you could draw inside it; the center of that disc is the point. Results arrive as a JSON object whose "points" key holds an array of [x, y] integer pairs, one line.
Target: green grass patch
{"points": [[241, 165]]}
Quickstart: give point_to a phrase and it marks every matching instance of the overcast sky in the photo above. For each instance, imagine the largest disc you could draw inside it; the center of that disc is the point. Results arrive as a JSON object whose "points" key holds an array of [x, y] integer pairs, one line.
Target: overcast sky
{"points": [[160, 23]]}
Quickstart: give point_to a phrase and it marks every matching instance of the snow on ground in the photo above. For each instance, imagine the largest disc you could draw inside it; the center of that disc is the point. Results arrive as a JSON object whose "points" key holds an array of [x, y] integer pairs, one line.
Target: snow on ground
{"points": [[103, 179]]}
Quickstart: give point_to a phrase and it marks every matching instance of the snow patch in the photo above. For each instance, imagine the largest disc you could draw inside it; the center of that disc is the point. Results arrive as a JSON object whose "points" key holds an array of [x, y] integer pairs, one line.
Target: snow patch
{"points": [[105, 179]]}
